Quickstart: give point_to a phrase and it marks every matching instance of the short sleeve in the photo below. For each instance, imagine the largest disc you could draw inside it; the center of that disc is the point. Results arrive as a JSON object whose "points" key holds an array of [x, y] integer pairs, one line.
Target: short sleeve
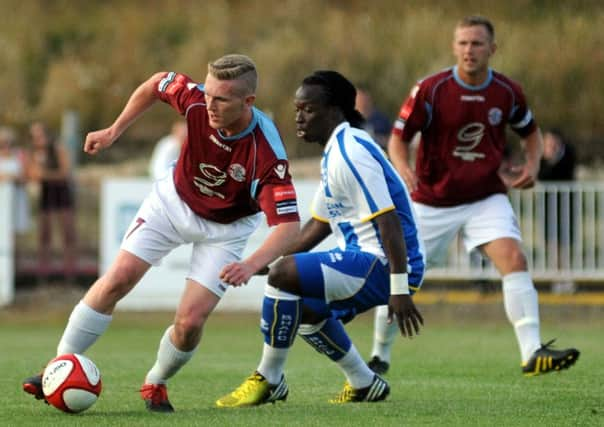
{"points": [[277, 195], [413, 114], [178, 90]]}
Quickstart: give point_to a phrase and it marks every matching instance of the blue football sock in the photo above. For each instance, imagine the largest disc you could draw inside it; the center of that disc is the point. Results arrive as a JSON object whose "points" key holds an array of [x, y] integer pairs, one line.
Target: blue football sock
{"points": [[328, 337], [280, 320]]}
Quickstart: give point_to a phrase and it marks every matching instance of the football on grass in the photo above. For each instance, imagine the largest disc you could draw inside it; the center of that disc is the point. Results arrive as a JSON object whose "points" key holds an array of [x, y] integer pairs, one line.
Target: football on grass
{"points": [[71, 383]]}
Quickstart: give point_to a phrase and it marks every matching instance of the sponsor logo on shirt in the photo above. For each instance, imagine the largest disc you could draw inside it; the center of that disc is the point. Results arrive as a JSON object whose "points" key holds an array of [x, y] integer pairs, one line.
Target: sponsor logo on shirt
{"points": [[211, 177], [285, 199], [334, 209], [220, 144], [469, 137], [472, 98], [237, 172]]}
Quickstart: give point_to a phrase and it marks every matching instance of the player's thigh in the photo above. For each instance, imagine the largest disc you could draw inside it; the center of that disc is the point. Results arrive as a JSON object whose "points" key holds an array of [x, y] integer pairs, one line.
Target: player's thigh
{"points": [[151, 235], [123, 274], [438, 227], [491, 219], [207, 262], [343, 279], [196, 304]]}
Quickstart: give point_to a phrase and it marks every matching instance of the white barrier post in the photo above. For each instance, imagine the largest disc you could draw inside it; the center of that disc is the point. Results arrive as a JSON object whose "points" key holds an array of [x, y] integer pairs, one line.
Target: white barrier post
{"points": [[7, 244]]}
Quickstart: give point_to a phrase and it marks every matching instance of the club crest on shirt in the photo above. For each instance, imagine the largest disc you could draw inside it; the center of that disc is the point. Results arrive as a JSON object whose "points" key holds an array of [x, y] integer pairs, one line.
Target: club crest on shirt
{"points": [[495, 116], [280, 170], [237, 172]]}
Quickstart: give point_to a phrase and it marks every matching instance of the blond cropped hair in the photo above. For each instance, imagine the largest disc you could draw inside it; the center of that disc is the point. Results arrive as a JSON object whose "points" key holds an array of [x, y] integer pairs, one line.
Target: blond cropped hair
{"points": [[236, 67]]}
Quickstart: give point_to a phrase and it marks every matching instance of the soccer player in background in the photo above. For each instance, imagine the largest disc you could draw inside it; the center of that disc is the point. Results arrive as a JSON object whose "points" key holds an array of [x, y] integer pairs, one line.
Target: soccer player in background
{"points": [[458, 185], [232, 167], [379, 260]]}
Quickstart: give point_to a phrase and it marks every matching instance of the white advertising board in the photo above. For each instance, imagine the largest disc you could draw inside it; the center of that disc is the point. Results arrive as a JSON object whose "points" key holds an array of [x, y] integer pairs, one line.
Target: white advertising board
{"points": [[162, 286], [7, 269]]}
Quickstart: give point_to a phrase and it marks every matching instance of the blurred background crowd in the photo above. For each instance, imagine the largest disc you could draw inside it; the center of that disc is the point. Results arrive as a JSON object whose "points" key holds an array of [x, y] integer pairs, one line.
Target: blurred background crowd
{"points": [[75, 71]]}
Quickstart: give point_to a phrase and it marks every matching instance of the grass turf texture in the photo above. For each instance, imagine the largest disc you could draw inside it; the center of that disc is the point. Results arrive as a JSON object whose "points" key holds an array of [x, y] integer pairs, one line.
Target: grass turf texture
{"points": [[459, 371]]}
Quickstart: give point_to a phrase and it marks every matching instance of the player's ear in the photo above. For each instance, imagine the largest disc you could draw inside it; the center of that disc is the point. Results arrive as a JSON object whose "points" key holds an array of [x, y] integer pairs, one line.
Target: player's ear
{"points": [[493, 48], [249, 100]]}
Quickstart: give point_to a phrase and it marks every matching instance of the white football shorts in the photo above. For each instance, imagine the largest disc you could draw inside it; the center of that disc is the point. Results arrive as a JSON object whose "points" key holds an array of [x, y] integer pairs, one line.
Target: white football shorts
{"points": [[164, 222], [479, 222]]}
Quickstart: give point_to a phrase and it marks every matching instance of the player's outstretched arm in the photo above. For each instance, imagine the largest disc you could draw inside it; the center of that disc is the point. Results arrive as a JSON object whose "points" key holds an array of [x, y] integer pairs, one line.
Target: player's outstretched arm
{"points": [[141, 99], [313, 232], [275, 245], [400, 305]]}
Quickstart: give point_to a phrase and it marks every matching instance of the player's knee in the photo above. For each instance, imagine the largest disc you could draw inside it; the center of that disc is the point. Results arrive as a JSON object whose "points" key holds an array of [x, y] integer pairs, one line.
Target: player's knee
{"points": [[282, 274], [186, 332], [517, 260]]}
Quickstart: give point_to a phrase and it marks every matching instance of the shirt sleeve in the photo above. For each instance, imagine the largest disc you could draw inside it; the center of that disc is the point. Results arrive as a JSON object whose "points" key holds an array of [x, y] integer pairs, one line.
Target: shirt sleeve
{"points": [[178, 90], [521, 118], [413, 115], [277, 195]]}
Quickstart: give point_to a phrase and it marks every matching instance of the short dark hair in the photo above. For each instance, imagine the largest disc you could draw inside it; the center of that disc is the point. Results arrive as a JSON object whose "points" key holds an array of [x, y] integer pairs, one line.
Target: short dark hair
{"points": [[339, 91], [473, 20]]}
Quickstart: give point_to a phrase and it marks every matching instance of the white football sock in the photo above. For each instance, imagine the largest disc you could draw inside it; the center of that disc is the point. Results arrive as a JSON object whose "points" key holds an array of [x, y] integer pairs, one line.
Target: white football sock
{"points": [[383, 334], [272, 363], [522, 308], [169, 360], [356, 370], [84, 327]]}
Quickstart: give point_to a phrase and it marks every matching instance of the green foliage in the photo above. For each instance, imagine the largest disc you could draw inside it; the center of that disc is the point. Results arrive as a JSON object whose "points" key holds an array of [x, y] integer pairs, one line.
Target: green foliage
{"points": [[458, 372], [89, 56]]}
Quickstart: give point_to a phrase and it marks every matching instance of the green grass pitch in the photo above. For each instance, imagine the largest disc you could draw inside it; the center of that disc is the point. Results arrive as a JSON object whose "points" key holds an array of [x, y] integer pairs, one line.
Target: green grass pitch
{"points": [[460, 371]]}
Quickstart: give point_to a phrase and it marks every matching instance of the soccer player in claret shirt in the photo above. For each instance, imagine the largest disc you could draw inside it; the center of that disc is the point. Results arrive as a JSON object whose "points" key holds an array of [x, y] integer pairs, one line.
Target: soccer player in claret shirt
{"points": [[379, 259], [231, 168], [459, 185]]}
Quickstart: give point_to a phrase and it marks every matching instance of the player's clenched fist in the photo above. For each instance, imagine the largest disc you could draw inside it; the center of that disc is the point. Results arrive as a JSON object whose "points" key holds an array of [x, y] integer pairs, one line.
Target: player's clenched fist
{"points": [[98, 140]]}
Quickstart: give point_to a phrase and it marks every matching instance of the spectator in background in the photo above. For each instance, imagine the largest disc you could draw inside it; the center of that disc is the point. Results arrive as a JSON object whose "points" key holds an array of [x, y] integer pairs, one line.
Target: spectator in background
{"points": [[167, 150], [377, 124], [13, 168], [559, 158], [51, 168], [558, 164]]}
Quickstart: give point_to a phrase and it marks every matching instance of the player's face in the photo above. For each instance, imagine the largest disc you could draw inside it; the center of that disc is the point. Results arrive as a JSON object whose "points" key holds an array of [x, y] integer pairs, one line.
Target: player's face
{"points": [[229, 110], [313, 123], [472, 47]]}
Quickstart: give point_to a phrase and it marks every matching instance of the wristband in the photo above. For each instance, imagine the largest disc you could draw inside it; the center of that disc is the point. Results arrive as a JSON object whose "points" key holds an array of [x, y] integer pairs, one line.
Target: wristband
{"points": [[399, 284]]}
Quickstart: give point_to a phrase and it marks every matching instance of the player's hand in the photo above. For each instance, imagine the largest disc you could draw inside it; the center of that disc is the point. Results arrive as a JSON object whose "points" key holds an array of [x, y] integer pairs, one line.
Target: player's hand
{"points": [[98, 140], [236, 273], [407, 315], [522, 177], [409, 177]]}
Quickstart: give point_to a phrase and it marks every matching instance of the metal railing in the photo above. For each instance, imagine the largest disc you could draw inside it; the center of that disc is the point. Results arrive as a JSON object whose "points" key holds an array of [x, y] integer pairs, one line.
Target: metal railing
{"points": [[562, 226]]}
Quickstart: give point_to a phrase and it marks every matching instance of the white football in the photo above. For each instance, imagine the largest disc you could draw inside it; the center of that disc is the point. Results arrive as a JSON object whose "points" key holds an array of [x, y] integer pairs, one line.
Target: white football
{"points": [[71, 383]]}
